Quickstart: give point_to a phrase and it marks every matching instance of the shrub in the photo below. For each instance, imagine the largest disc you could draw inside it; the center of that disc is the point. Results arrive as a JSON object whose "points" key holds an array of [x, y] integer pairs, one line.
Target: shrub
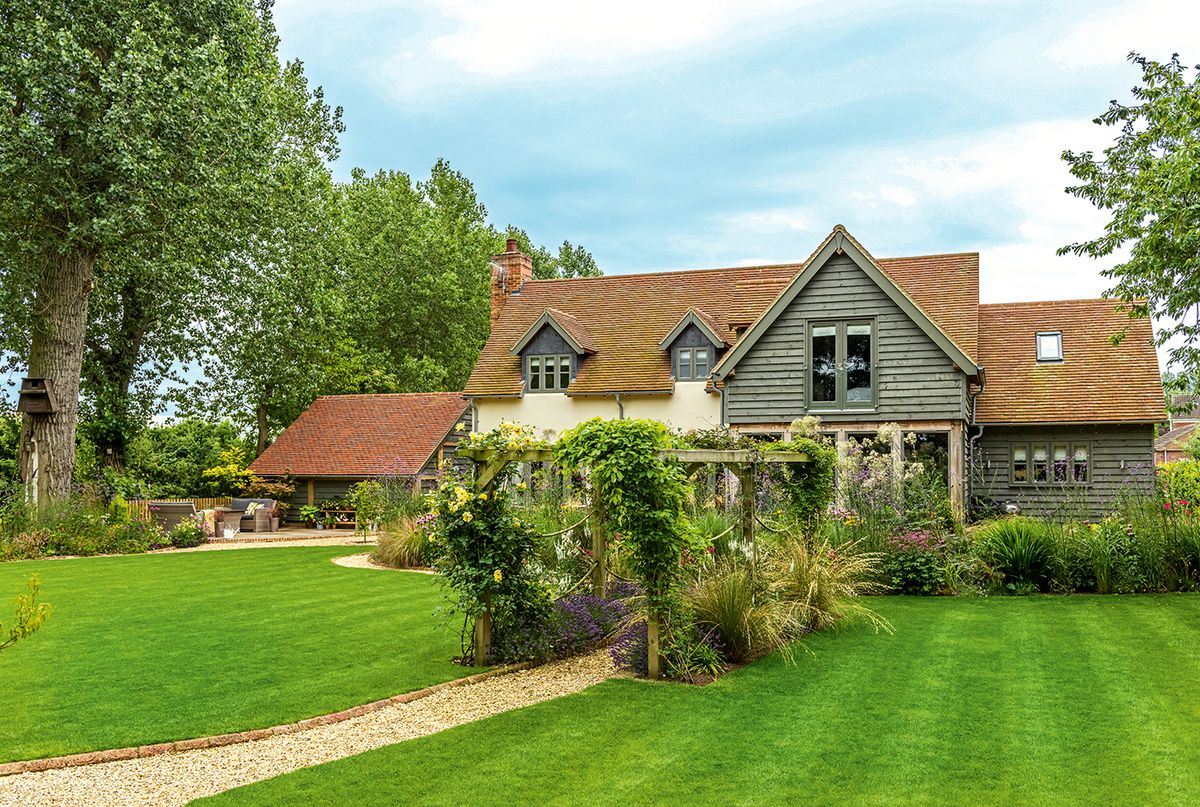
{"points": [[693, 654], [404, 543], [1020, 552], [482, 551], [30, 616], [75, 526], [230, 475], [824, 584], [915, 563], [1179, 482], [736, 603], [186, 535], [630, 649], [575, 624]]}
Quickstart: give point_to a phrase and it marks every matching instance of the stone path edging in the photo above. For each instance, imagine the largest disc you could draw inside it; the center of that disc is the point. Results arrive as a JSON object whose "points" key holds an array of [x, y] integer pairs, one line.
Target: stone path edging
{"points": [[218, 740]]}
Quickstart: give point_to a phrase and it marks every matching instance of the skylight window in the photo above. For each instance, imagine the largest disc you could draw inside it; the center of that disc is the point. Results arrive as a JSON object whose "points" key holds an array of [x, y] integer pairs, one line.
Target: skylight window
{"points": [[1049, 346]]}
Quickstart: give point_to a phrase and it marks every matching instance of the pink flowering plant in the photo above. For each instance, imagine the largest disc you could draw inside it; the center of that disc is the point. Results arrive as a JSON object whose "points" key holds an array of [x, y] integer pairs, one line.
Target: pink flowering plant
{"points": [[915, 562]]}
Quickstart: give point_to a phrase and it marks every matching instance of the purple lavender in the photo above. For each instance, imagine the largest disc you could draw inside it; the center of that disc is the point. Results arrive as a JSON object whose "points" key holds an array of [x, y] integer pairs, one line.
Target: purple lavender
{"points": [[630, 650]]}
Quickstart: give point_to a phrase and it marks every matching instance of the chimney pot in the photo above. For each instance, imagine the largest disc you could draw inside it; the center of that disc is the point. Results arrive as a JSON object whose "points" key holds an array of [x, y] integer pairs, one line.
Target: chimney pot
{"points": [[511, 246]]}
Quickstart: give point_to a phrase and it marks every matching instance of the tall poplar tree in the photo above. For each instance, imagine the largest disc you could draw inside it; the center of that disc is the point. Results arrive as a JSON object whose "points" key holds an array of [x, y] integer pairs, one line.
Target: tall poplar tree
{"points": [[128, 129]]}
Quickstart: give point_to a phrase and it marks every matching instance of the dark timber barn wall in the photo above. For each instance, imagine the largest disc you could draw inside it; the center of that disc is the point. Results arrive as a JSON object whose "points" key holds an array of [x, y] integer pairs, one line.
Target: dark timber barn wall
{"points": [[1110, 446], [915, 379]]}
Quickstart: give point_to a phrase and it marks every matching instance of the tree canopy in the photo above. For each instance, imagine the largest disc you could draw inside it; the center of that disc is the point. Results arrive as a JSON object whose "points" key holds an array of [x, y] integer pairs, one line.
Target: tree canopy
{"points": [[136, 143], [1148, 181]]}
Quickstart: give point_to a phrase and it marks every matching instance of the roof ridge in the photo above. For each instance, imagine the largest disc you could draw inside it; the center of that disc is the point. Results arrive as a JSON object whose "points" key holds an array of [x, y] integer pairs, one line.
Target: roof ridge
{"points": [[1052, 302], [660, 272], [343, 395], [966, 253]]}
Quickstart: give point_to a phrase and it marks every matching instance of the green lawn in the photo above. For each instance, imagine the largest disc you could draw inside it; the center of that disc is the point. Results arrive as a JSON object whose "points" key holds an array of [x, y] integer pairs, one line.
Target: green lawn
{"points": [[1035, 700], [151, 648]]}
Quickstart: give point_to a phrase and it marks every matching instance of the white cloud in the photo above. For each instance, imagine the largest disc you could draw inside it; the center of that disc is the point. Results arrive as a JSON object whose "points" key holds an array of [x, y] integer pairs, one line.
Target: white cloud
{"points": [[1156, 28], [509, 37], [774, 220]]}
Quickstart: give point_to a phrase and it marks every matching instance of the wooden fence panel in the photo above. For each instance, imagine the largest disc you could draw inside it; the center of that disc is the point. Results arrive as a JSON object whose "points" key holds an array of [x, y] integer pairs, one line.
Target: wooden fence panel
{"points": [[140, 508]]}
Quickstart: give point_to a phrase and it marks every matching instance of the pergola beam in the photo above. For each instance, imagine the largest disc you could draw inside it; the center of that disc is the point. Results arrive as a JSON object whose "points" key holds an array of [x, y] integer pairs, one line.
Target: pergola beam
{"points": [[731, 456]]}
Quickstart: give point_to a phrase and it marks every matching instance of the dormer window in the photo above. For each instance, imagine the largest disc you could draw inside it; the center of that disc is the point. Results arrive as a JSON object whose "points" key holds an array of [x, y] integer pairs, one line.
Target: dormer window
{"points": [[548, 373], [692, 363], [1049, 346]]}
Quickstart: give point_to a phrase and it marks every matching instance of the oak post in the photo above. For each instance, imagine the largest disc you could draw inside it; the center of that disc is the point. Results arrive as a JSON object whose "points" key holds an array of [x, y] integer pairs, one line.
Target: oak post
{"points": [[485, 473], [599, 549], [745, 474], [653, 659]]}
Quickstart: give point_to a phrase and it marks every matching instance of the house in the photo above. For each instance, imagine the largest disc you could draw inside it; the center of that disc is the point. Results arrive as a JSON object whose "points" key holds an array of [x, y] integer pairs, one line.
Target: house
{"points": [[1171, 445], [342, 439], [1026, 404]]}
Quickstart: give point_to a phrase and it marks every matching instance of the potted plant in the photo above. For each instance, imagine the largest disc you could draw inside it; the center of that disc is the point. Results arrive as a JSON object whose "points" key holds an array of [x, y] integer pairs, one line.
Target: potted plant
{"points": [[330, 520], [309, 514]]}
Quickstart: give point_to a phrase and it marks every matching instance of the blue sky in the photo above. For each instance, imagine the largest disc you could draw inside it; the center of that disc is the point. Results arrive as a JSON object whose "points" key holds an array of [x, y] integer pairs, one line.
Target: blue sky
{"points": [[690, 134]]}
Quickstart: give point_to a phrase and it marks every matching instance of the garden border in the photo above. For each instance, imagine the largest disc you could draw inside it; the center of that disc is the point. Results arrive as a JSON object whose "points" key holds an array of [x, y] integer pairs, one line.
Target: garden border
{"points": [[218, 740]]}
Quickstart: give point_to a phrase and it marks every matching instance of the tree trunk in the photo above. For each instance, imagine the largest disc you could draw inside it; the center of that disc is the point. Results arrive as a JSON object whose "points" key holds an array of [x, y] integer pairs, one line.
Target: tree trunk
{"points": [[56, 353], [264, 432]]}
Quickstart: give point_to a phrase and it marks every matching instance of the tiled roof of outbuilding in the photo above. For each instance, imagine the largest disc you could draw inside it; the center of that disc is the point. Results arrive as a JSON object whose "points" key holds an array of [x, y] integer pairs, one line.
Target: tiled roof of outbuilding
{"points": [[1175, 439], [364, 435]]}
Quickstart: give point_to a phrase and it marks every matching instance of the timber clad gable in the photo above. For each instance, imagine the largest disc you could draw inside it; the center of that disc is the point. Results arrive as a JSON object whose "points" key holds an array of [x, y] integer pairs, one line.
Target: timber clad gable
{"points": [[914, 378]]}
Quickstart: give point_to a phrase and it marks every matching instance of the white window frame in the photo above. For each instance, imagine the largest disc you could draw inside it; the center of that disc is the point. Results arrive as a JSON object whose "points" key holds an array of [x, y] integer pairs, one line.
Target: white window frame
{"points": [[1038, 342]]}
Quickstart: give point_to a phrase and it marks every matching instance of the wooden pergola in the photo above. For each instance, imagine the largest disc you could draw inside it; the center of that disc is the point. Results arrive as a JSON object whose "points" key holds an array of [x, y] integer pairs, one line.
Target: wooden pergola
{"points": [[742, 463]]}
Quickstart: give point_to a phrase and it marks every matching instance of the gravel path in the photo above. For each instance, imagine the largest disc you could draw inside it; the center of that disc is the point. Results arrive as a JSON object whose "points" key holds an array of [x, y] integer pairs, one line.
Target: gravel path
{"points": [[177, 778], [363, 561]]}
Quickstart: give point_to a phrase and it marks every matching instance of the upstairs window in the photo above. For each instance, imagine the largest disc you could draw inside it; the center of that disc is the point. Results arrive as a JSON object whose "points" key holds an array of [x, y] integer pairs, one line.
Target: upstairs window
{"points": [[547, 373], [692, 363], [1049, 346], [842, 369]]}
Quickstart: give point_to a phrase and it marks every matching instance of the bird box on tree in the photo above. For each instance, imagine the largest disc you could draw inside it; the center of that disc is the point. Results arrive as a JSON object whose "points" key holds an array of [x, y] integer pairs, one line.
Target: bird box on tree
{"points": [[37, 397]]}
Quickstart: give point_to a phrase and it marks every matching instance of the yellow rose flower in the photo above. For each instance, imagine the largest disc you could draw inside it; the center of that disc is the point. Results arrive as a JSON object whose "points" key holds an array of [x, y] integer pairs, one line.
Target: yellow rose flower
{"points": [[521, 486], [467, 517], [498, 575], [483, 497]]}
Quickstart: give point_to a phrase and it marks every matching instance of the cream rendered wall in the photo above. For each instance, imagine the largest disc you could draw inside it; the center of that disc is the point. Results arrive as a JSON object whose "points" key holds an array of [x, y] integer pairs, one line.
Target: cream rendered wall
{"points": [[689, 408], [550, 414]]}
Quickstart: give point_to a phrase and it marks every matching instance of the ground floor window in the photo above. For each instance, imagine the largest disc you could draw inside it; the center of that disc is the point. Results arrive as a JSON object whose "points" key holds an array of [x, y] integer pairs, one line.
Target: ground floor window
{"points": [[931, 449], [1059, 463]]}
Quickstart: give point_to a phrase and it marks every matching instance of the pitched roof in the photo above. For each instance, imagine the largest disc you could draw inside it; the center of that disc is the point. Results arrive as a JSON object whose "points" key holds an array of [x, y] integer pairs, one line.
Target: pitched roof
{"points": [[1095, 382], [1175, 439], [364, 435], [568, 327], [626, 316], [706, 324]]}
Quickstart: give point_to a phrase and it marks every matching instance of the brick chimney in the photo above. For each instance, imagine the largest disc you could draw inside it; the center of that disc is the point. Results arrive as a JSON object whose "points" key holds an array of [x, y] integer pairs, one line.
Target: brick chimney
{"points": [[510, 270]]}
